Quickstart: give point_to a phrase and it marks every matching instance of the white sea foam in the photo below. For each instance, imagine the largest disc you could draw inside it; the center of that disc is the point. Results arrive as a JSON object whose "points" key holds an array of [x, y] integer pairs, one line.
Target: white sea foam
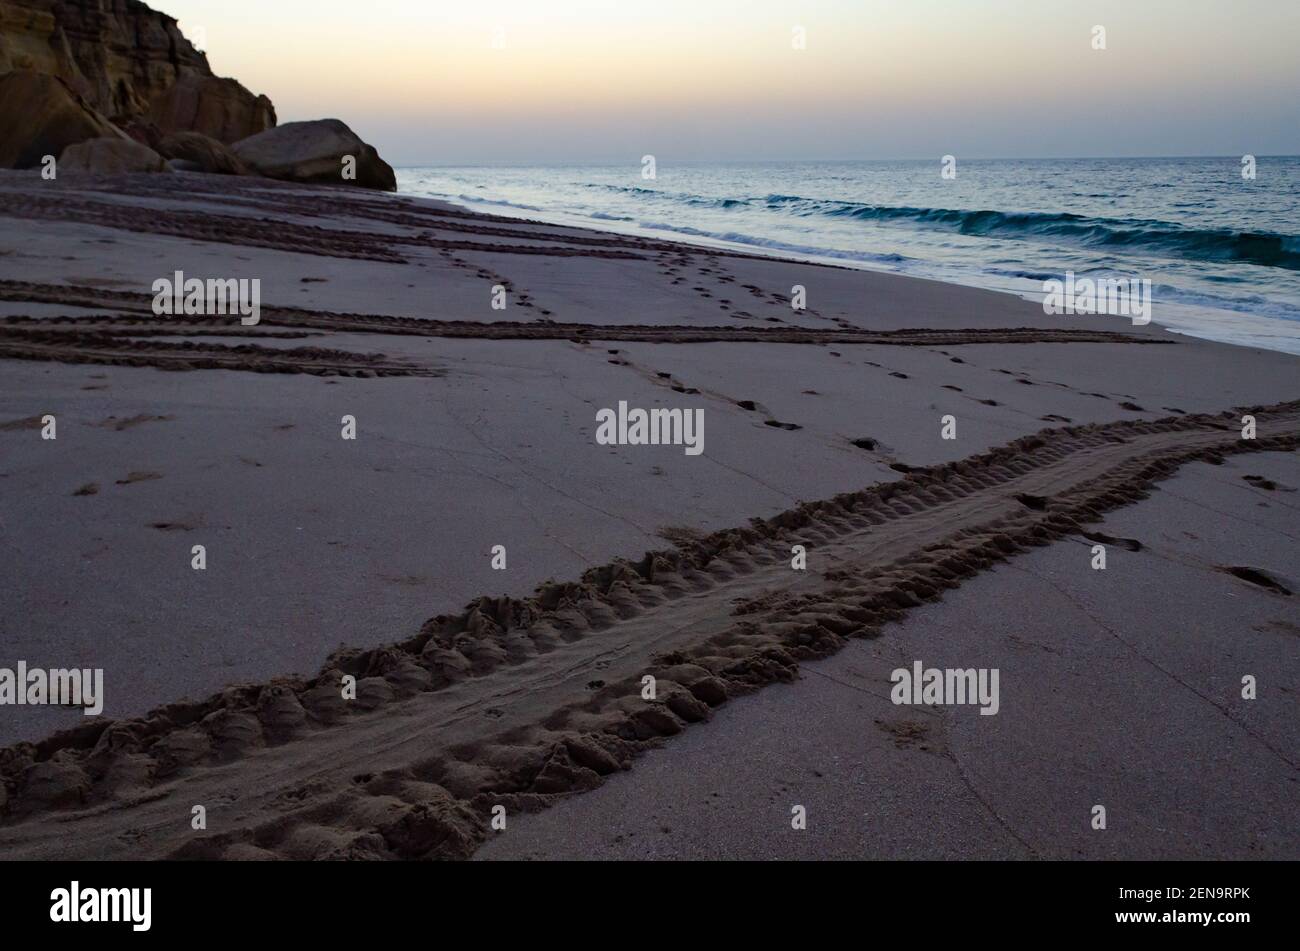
{"points": [[1224, 263]]}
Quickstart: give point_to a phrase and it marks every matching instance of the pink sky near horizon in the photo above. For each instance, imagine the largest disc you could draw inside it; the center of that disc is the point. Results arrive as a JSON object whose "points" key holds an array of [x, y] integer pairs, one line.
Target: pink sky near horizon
{"points": [[720, 79]]}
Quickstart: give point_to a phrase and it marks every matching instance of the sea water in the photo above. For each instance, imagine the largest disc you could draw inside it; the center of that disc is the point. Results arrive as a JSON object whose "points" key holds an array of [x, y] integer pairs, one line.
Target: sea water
{"points": [[1222, 250]]}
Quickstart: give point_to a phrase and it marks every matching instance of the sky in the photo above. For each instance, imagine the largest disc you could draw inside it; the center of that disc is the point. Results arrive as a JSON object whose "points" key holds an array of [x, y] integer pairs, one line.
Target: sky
{"points": [[541, 81]]}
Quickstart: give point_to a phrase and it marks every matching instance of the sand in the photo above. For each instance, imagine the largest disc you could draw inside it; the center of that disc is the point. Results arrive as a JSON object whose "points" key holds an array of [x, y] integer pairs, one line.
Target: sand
{"points": [[1110, 694], [476, 428]]}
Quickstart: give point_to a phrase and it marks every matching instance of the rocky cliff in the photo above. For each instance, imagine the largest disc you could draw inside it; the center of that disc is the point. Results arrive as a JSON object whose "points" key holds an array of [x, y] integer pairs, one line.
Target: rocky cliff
{"points": [[129, 64], [77, 77]]}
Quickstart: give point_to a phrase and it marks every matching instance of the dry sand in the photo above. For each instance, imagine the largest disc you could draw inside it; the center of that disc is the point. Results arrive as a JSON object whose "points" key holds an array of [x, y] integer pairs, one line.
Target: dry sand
{"points": [[476, 428], [1111, 693]]}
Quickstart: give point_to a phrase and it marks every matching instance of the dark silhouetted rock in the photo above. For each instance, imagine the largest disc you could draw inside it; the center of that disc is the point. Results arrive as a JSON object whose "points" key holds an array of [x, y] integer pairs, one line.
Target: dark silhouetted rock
{"points": [[127, 61], [218, 108], [110, 156], [315, 152], [145, 132], [76, 70], [40, 115], [200, 153]]}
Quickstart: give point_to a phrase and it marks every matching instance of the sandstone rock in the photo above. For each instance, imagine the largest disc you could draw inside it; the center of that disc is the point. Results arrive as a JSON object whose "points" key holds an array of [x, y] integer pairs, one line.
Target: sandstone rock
{"points": [[40, 115], [116, 54], [201, 153], [27, 38], [116, 68], [218, 108], [146, 133], [127, 61], [110, 156], [314, 152]]}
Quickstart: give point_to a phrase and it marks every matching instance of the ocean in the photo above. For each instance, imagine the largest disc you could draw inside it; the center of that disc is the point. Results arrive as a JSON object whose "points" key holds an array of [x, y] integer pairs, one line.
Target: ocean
{"points": [[1222, 251]]}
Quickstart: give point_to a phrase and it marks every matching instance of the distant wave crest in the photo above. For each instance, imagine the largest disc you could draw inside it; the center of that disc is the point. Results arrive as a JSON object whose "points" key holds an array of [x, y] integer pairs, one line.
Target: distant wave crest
{"points": [[733, 237], [699, 201], [1263, 248]]}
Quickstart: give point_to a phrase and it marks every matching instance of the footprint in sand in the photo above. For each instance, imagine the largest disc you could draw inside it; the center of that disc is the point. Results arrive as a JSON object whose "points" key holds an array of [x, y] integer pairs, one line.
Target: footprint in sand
{"points": [[1257, 576], [119, 425], [30, 422], [1132, 544], [908, 735], [1268, 485]]}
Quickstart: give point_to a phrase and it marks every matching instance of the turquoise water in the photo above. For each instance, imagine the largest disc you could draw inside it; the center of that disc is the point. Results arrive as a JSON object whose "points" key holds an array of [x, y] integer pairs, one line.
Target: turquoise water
{"points": [[1222, 252]]}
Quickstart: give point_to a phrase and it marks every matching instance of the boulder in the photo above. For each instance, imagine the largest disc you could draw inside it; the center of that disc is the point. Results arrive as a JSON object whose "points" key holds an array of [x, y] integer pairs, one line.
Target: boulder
{"points": [[314, 152], [221, 109], [200, 153], [40, 115], [110, 156], [145, 132], [75, 70]]}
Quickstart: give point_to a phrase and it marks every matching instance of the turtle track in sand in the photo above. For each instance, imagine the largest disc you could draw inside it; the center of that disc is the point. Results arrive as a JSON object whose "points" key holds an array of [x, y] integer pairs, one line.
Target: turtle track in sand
{"points": [[520, 701]]}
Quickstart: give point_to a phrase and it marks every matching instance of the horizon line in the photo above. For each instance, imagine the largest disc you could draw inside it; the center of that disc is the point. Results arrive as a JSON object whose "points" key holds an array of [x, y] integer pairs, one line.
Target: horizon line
{"points": [[781, 161]]}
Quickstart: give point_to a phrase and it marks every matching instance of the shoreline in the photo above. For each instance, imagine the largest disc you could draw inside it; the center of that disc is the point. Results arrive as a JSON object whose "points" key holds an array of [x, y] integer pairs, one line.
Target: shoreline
{"points": [[476, 427], [1236, 327]]}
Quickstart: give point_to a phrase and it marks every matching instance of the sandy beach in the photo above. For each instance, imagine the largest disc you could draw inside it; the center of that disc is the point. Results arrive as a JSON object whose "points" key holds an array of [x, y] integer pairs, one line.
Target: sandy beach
{"points": [[522, 687]]}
